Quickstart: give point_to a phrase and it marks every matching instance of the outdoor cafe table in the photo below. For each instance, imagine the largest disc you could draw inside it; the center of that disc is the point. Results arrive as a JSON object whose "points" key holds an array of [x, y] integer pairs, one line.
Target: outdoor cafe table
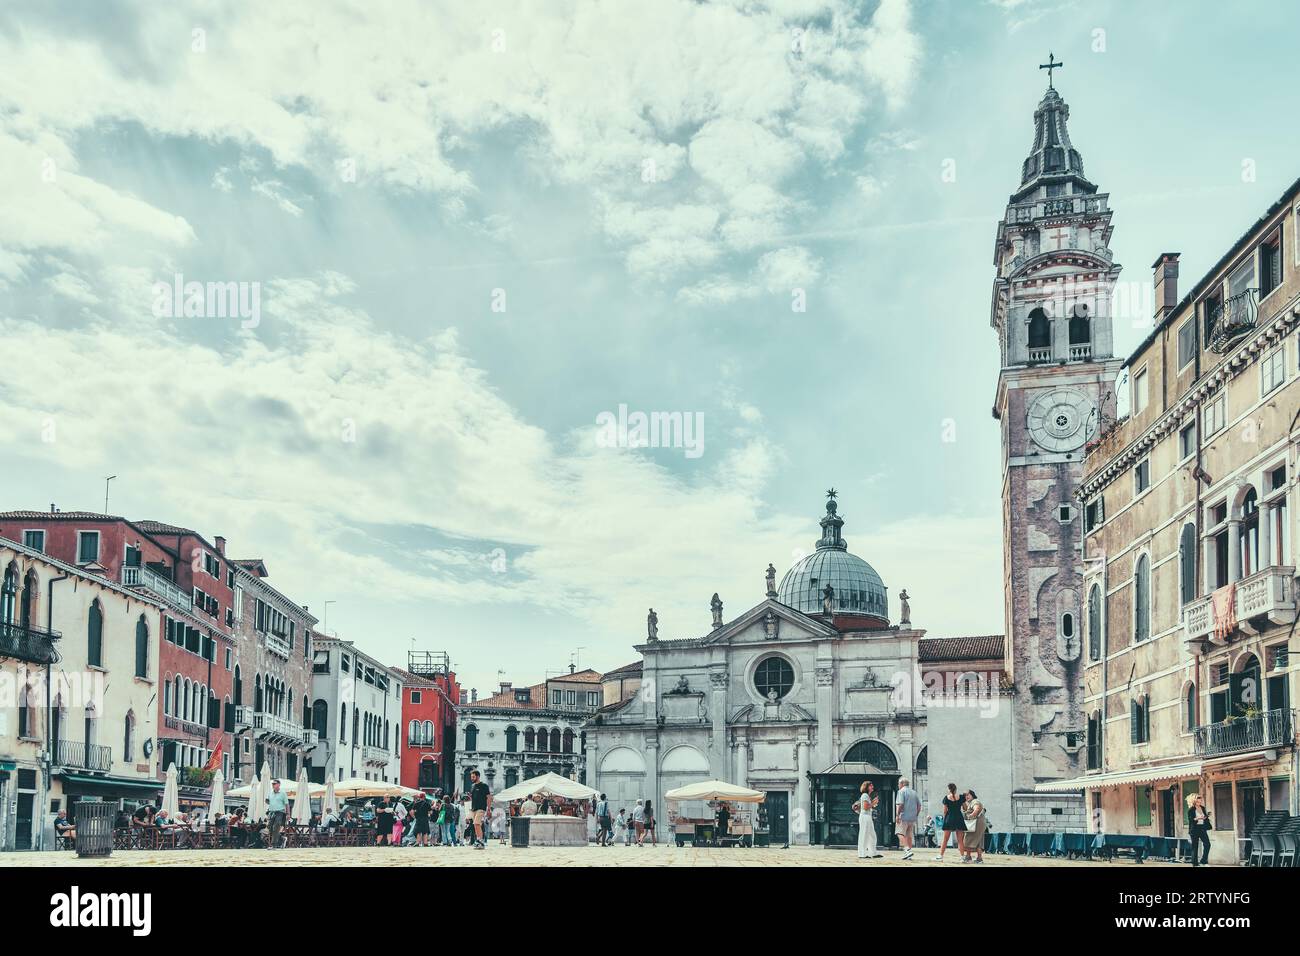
{"points": [[1170, 848], [1071, 844], [1016, 843], [1122, 841]]}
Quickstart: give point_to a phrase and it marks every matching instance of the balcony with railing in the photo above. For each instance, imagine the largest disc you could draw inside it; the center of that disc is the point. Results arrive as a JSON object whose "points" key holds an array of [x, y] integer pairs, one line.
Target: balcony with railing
{"points": [[278, 644], [1040, 355], [1081, 353], [1265, 729], [169, 591], [1261, 599], [35, 645], [83, 756], [278, 729], [1229, 321], [375, 756]]}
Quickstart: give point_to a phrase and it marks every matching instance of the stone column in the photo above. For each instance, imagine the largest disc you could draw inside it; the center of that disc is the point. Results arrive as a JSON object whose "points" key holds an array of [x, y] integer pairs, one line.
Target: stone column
{"points": [[1207, 570], [740, 760], [803, 796], [652, 778], [1234, 550], [1265, 536], [826, 709]]}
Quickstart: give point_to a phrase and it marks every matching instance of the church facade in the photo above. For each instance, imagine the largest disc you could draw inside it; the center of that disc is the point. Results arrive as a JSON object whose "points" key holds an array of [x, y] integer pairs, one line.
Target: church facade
{"points": [[1051, 309], [804, 696]]}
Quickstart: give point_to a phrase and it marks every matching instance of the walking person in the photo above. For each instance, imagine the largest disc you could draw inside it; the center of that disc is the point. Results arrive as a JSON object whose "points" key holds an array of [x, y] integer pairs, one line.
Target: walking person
{"points": [[907, 811], [399, 820], [420, 811], [383, 823], [976, 825], [604, 826], [1198, 827], [954, 823], [866, 808], [480, 802], [277, 811], [620, 826], [649, 824], [638, 820]]}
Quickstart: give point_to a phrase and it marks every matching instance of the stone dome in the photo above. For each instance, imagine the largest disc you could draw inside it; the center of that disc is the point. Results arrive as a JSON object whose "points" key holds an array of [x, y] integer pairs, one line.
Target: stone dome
{"points": [[858, 588]]}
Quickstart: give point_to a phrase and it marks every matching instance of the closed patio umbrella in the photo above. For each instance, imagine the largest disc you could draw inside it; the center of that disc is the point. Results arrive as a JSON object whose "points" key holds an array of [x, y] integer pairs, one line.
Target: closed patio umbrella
{"points": [[302, 802], [170, 802], [329, 801], [257, 801], [218, 804]]}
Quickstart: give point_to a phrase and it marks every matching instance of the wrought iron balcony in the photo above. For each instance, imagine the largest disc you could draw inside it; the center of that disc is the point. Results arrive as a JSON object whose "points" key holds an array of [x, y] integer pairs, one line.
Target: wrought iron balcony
{"points": [[1234, 318], [1271, 728], [82, 756], [169, 591], [1263, 598], [32, 644]]}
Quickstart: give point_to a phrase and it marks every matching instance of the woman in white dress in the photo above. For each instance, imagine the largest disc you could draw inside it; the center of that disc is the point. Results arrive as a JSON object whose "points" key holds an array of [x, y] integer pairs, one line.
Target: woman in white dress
{"points": [[866, 807]]}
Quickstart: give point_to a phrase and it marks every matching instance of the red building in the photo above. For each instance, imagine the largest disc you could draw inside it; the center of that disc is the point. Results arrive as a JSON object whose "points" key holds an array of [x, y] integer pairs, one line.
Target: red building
{"points": [[429, 696], [194, 646]]}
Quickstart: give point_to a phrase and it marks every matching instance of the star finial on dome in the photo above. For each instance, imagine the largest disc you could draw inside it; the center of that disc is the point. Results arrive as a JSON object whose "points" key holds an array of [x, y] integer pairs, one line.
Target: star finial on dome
{"points": [[831, 493]]}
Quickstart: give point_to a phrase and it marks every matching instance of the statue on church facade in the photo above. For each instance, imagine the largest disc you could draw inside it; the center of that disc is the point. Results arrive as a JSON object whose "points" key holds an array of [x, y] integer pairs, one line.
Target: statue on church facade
{"points": [[652, 625], [907, 608], [828, 600], [716, 605], [771, 624], [771, 580]]}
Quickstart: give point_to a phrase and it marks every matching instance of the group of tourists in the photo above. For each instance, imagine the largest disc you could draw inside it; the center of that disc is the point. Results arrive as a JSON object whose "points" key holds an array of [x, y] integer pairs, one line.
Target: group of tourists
{"points": [[963, 821], [440, 819], [627, 827]]}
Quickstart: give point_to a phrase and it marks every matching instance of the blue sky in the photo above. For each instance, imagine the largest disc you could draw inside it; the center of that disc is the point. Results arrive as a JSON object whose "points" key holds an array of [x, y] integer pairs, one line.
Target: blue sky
{"points": [[649, 187]]}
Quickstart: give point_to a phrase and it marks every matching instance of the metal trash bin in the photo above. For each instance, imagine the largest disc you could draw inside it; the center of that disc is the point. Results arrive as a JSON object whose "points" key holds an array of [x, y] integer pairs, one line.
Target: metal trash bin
{"points": [[94, 824], [519, 831]]}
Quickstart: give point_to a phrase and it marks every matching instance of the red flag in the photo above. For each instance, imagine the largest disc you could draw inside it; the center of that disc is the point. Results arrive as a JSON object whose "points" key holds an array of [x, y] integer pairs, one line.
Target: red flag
{"points": [[214, 762]]}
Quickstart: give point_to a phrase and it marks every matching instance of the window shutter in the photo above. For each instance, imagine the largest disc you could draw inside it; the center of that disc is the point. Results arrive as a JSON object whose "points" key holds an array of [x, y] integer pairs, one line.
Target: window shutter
{"points": [[1132, 721]]}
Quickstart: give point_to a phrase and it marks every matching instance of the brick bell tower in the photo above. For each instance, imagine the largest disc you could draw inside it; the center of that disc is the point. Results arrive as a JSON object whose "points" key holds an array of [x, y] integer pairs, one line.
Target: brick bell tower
{"points": [[1051, 310]]}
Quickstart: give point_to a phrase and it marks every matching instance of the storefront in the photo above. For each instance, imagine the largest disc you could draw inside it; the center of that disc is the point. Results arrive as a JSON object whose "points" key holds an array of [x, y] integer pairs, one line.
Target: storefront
{"points": [[126, 792]]}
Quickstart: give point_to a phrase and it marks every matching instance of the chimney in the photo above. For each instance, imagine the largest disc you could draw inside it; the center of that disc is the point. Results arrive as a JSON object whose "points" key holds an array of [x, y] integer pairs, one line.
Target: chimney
{"points": [[505, 687], [221, 546], [52, 508], [1165, 279], [572, 668], [473, 695], [463, 699]]}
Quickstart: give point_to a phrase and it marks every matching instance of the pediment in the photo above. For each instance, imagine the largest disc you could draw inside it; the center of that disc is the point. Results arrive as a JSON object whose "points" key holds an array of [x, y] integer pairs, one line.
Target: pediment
{"points": [[758, 624]]}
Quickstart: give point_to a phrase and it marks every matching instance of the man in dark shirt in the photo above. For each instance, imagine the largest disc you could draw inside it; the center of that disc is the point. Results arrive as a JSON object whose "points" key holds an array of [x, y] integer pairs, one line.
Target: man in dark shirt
{"points": [[420, 810], [480, 802]]}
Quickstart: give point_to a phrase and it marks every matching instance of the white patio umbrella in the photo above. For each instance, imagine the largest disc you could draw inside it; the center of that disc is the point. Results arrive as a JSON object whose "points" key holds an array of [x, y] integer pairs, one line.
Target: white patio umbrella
{"points": [[302, 802], [716, 790], [170, 802], [551, 784], [218, 804], [355, 787], [288, 787], [329, 801], [257, 801]]}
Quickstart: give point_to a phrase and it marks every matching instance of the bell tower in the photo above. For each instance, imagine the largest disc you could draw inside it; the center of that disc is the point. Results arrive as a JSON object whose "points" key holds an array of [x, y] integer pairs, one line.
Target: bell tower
{"points": [[1051, 309]]}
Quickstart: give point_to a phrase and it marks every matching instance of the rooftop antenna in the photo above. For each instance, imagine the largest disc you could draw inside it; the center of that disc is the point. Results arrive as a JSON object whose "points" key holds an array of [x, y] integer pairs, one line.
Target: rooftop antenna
{"points": [[106, 481]]}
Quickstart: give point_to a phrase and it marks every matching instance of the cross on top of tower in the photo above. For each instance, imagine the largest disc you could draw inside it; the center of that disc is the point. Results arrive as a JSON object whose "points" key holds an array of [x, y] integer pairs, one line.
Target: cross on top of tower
{"points": [[1052, 64]]}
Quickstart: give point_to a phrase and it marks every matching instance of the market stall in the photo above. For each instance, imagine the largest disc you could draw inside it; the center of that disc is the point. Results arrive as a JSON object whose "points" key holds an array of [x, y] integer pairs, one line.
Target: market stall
{"points": [[550, 829], [713, 813]]}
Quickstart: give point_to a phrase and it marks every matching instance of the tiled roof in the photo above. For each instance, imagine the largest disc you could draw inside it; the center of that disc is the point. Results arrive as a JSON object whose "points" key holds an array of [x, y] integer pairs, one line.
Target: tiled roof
{"points": [[986, 647], [411, 680], [627, 670], [56, 515], [536, 699], [158, 527], [587, 676]]}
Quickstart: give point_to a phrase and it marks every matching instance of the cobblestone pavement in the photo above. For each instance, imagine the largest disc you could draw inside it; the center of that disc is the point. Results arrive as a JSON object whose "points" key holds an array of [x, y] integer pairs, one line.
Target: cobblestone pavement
{"points": [[496, 855]]}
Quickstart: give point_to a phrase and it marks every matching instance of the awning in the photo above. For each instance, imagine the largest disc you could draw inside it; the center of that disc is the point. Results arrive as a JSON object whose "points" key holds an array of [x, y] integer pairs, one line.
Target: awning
{"points": [[1123, 778], [110, 786], [856, 769], [1242, 761]]}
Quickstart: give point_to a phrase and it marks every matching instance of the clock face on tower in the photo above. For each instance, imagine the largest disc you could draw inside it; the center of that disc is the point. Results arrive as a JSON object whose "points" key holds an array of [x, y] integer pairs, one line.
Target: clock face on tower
{"points": [[1062, 420]]}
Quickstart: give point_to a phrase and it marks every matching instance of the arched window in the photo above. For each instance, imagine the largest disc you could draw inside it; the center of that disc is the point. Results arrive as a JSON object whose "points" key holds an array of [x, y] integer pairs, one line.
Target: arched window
{"points": [[9, 595], [32, 593], [1080, 333], [568, 741], [257, 693], [1189, 708], [141, 648], [530, 741], [167, 697], [343, 723], [512, 776], [320, 717], [1040, 330], [542, 738], [471, 737], [95, 635], [1187, 563], [555, 740], [185, 701], [1249, 533], [427, 733], [1094, 622], [213, 717], [512, 739], [413, 732], [923, 760], [773, 674], [128, 737], [178, 701], [239, 688], [1094, 740], [873, 752], [1142, 599]]}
